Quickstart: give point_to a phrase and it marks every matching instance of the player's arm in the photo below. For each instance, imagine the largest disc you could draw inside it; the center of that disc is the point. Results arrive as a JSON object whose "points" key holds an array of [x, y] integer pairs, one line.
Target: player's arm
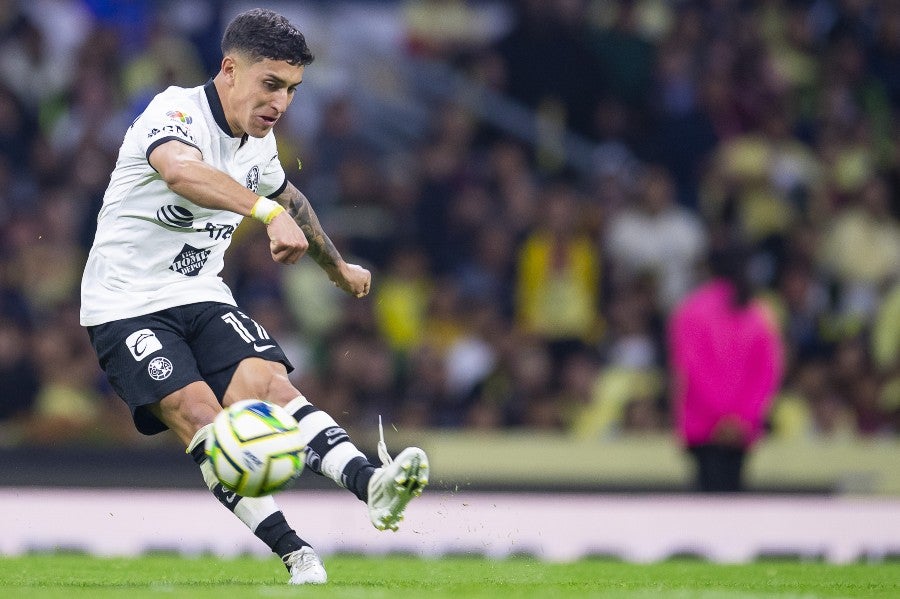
{"points": [[352, 278], [182, 167]]}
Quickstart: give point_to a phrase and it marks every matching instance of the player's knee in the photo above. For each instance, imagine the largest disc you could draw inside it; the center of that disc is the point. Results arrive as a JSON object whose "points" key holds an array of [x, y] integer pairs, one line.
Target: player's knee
{"points": [[280, 389], [199, 413], [261, 379], [187, 410]]}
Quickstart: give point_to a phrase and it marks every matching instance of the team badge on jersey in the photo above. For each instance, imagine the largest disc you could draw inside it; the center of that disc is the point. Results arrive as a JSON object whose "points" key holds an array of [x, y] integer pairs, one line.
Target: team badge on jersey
{"points": [[177, 115], [190, 260], [253, 179]]}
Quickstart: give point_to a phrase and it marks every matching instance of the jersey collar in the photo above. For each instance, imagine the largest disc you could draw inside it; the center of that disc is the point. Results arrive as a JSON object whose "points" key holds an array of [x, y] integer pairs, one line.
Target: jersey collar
{"points": [[215, 105]]}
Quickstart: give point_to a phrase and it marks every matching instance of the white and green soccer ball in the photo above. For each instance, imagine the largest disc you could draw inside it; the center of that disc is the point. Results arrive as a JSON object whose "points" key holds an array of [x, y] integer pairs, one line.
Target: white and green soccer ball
{"points": [[255, 448]]}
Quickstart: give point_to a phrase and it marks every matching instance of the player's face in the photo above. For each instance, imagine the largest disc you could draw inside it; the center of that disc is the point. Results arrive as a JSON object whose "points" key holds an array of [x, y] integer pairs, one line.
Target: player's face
{"points": [[259, 93]]}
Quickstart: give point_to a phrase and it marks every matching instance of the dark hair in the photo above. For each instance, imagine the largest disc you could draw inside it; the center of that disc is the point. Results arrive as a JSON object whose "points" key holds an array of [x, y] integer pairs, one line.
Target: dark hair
{"points": [[261, 34]]}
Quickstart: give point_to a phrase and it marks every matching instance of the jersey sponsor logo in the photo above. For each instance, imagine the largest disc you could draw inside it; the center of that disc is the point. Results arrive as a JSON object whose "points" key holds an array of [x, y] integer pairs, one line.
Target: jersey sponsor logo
{"points": [[261, 348], [176, 216], [252, 180], [190, 260], [177, 130], [180, 220], [142, 343], [177, 115], [159, 368], [217, 231]]}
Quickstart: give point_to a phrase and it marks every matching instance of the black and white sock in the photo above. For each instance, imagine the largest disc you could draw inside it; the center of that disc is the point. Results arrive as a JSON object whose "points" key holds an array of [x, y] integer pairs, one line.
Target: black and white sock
{"points": [[260, 514], [329, 450]]}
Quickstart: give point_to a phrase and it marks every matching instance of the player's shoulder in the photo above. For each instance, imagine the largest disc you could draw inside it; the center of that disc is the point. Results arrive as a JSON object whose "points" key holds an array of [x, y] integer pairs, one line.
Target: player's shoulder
{"points": [[182, 101], [174, 111], [174, 92]]}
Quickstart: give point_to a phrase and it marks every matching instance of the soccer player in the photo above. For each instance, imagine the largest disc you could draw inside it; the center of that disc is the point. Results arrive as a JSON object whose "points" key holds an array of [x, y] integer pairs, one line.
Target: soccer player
{"points": [[167, 331]]}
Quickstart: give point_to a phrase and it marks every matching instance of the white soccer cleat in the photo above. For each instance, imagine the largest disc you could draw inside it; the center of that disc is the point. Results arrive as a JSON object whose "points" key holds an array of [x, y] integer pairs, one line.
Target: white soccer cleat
{"points": [[305, 567], [396, 483]]}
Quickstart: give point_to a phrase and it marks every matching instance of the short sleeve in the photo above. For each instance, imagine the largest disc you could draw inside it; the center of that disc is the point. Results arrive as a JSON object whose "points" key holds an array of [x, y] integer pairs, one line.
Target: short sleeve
{"points": [[167, 121], [272, 180]]}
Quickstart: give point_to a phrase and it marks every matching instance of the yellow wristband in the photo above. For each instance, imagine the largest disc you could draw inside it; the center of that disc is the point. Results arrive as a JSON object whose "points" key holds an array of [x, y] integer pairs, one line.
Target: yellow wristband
{"points": [[264, 210]]}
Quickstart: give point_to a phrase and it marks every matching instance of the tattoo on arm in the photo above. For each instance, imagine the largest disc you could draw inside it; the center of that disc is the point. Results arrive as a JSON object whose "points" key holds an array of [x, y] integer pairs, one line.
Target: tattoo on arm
{"points": [[321, 248]]}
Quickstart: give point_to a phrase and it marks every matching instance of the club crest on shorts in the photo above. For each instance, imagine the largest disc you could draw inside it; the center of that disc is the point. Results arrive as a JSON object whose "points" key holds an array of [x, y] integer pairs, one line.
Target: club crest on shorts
{"points": [[159, 368]]}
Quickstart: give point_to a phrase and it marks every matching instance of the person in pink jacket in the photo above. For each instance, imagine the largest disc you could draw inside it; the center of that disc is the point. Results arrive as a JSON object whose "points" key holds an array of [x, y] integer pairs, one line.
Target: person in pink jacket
{"points": [[727, 361]]}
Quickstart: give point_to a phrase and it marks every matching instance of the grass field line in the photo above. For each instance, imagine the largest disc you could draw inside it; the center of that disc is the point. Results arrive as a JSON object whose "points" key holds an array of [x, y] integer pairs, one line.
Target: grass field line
{"points": [[68, 575]]}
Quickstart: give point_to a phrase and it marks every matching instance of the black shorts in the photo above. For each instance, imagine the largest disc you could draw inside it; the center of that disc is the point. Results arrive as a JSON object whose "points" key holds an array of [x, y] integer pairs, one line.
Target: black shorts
{"points": [[149, 357]]}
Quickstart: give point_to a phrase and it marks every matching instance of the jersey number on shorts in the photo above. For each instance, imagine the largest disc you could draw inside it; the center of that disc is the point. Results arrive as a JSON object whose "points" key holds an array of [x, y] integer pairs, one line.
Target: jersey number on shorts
{"points": [[258, 340]]}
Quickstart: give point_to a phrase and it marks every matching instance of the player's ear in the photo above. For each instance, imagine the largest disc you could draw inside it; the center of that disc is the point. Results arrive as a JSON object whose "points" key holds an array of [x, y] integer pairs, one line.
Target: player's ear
{"points": [[229, 65]]}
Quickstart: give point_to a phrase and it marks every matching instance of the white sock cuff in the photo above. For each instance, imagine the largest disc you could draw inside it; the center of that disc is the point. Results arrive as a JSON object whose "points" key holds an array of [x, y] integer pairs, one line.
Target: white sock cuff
{"points": [[253, 510], [295, 404], [336, 460], [313, 424]]}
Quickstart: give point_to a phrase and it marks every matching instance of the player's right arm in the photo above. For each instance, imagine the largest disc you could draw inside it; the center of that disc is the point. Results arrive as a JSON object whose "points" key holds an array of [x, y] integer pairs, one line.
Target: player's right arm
{"points": [[182, 167], [352, 278]]}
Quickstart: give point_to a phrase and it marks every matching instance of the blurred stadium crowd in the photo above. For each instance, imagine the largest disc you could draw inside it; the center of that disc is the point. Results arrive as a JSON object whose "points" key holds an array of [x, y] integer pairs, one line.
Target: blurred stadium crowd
{"points": [[513, 287]]}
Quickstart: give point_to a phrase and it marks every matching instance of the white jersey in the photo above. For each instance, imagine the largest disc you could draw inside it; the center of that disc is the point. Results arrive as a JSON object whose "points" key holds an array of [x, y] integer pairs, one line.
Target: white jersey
{"points": [[155, 249]]}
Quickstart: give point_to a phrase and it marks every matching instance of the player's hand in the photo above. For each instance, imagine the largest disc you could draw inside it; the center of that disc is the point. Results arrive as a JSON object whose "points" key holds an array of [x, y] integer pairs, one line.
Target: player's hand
{"points": [[286, 241], [352, 278]]}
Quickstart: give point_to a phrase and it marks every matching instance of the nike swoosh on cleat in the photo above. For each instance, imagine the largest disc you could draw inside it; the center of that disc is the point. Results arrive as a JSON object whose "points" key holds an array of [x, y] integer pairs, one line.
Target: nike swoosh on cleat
{"points": [[262, 347]]}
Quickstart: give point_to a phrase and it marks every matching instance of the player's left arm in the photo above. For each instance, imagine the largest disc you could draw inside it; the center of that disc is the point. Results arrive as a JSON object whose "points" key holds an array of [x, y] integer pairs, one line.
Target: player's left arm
{"points": [[352, 278]]}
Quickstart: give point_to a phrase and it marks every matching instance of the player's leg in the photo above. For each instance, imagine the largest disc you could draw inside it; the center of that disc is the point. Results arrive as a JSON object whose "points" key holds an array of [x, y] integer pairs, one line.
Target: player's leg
{"points": [[240, 360], [189, 412], [225, 338], [262, 516], [329, 450], [153, 369]]}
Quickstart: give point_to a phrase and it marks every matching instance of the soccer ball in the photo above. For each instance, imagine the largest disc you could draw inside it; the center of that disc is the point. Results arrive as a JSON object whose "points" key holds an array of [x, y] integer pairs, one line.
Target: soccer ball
{"points": [[255, 448]]}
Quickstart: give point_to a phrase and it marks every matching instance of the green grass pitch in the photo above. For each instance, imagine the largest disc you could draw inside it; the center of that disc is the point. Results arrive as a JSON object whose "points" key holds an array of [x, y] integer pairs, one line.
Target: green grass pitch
{"points": [[350, 577]]}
